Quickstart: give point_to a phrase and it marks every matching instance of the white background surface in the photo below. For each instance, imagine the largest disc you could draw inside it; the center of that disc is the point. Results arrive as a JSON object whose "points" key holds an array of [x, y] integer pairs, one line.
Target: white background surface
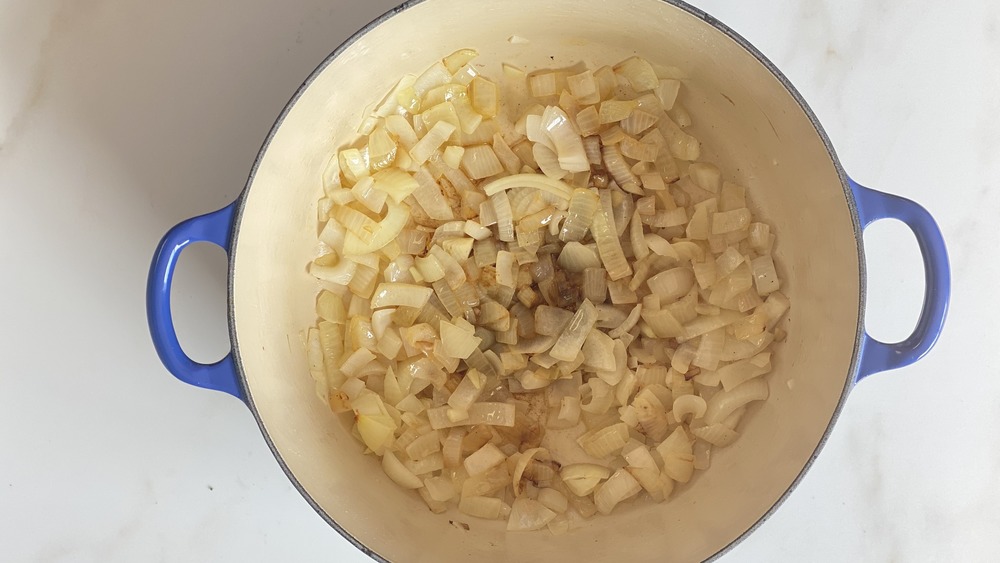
{"points": [[120, 118]]}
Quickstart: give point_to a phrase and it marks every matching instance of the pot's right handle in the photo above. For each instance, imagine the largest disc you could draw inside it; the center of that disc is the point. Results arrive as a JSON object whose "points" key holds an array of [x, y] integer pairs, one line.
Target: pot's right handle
{"points": [[215, 228], [879, 356]]}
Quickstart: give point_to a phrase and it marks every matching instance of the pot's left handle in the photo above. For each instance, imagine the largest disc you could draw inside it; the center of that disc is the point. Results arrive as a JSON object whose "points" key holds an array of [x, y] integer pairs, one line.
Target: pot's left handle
{"points": [[214, 228], [879, 356]]}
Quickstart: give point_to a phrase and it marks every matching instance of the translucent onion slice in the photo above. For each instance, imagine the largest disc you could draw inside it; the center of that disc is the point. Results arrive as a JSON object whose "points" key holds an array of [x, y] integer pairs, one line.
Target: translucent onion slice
{"points": [[681, 145], [736, 373], [567, 142], [500, 204], [598, 351], [483, 94], [553, 500], [527, 514], [583, 478], [600, 394], [535, 181], [678, 456], [488, 508], [341, 274], [667, 91], [548, 161], [432, 141], [430, 197], [522, 463], [399, 473], [764, 275], [729, 221], [569, 343], [716, 434], [588, 122], [543, 84], [613, 111], [484, 459], [583, 204], [595, 285], [604, 441], [616, 165], [691, 406], [759, 236], [705, 324], [638, 122], [636, 150], [584, 88], [458, 342], [619, 487], [493, 414], [576, 257], [723, 403], [511, 162], [395, 182], [400, 295], [481, 162], [639, 73], [610, 248]]}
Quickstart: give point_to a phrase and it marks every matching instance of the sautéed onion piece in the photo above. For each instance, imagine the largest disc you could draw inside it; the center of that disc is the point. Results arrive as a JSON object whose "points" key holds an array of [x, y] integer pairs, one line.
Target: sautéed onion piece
{"points": [[544, 253]]}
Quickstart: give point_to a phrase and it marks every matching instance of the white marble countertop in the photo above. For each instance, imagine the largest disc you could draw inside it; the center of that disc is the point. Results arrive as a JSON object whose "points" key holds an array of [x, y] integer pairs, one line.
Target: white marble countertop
{"points": [[120, 118]]}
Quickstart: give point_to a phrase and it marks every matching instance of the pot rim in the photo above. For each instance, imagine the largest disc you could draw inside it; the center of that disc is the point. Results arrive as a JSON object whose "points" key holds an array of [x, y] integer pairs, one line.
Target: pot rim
{"points": [[849, 380]]}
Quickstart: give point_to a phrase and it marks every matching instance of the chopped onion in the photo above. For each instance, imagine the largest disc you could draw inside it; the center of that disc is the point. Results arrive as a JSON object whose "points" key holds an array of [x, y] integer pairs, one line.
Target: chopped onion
{"points": [[584, 88], [400, 295], [484, 97], [605, 441], [548, 161], [759, 236], [627, 278], [736, 373], [729, 221], [689, 405], [638, 122], [527, 514], [643, 152], [764, 276], [576, 257], [481, 162], [432, 141], [667, 91], [457, 342], [552, 186], [609, 247], [616, 165], [681, 145], [399, 473], [553, 500], [619, 487], [583, 478], [716, 434], [566, 141], [571, 341], [595, 285], [723, 403], [639, 73], [543, 84], [613, 111], [488, 508], [493, 414], [484, 459], [522, 463]]}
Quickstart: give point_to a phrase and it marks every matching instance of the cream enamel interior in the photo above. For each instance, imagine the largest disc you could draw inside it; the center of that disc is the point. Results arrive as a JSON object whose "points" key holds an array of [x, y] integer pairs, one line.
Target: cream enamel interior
{"points": [[748, 123]]}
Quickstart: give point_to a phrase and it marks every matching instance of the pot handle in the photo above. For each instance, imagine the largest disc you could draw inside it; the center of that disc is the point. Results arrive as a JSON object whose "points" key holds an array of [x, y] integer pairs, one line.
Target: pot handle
{"points": [[879, 356], [214, 228]]}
